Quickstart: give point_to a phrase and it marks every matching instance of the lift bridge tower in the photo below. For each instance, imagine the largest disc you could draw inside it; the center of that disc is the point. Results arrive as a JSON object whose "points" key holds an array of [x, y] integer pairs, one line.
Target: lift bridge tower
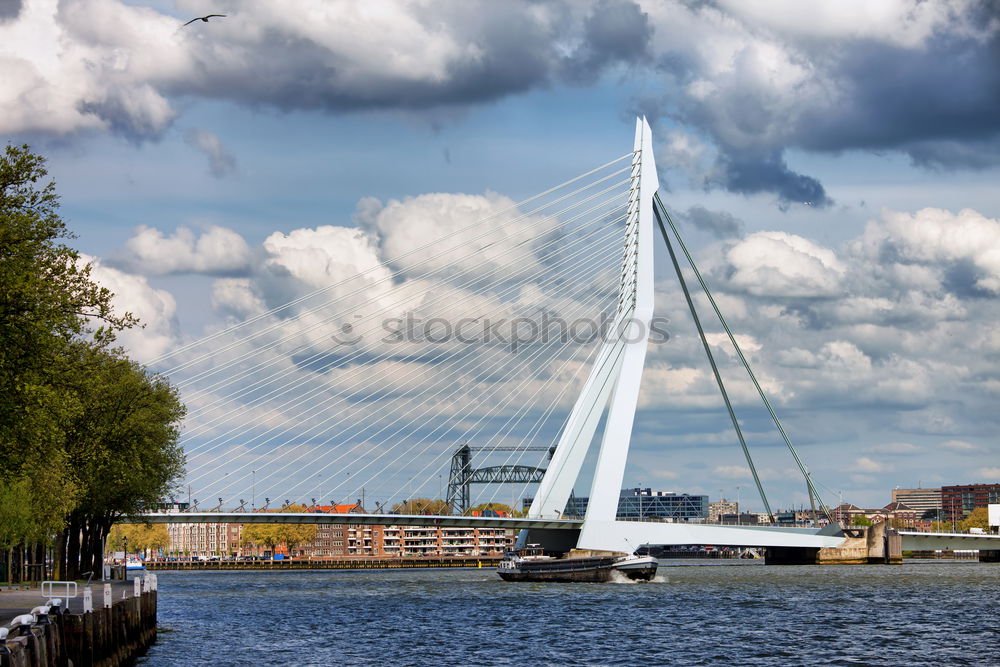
{"points": [[463, 475]]}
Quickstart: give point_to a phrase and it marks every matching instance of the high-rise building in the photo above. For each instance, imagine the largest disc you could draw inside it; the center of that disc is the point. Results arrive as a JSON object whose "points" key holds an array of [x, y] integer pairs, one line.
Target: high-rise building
{"points": [[639, 503], [959, 500], [919, 500]]}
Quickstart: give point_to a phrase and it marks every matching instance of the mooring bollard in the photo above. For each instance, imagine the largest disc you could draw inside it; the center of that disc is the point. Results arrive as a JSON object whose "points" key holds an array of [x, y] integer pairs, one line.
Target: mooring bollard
{"points": [[41, 613], [137, 586], [107, 596], [88, 600], [23, 622]]}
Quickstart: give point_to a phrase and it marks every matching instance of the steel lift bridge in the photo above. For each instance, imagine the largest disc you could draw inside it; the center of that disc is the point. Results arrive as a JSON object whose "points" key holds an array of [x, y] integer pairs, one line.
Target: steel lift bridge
{"points": [[311, 437]]}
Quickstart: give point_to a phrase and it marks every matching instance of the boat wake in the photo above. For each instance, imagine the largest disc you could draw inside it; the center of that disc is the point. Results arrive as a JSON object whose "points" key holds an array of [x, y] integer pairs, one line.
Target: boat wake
{"points": [[619, 578]]}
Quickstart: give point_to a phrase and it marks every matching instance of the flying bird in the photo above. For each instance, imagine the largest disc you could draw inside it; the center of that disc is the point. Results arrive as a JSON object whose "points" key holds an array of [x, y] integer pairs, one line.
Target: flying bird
{"points": [[204, 18]]}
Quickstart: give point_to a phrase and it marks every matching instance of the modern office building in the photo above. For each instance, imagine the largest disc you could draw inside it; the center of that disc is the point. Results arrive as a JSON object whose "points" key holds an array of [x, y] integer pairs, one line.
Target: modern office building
{"points": [[919, 500], [639, 503]]}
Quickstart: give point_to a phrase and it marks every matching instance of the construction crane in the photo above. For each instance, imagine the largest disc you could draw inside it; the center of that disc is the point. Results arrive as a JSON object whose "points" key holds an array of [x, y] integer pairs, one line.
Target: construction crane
{"points": [[462, 473]]}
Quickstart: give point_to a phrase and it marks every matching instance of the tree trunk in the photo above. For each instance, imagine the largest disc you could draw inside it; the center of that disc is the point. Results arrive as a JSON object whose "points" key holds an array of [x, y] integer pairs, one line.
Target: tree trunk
{"points": [[59, 555], [97, 554], [73, 548], [41, 569], [86, 537]]}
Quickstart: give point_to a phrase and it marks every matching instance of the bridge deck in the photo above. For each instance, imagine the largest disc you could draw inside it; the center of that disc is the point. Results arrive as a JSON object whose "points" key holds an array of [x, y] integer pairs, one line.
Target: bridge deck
{"points": [[514, 523], [918, 541], [627, 534]]}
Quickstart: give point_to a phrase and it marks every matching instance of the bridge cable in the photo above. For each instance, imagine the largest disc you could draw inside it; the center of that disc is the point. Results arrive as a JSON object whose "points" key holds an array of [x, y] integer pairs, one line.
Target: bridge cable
{"points": [[743, 359], [395, 274], [520, 415], [326, 288], [399, 430], [373, 381], [715, 368], [360, 351], [498, 386]]}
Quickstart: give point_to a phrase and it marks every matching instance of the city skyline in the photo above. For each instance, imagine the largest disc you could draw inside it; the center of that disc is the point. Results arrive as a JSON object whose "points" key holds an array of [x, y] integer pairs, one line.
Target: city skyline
{"points": [[850, 230]]}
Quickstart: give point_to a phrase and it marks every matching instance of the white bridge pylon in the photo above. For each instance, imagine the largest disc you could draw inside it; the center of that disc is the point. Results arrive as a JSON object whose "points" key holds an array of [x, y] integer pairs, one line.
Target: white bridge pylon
{"points": [[614, 383]]}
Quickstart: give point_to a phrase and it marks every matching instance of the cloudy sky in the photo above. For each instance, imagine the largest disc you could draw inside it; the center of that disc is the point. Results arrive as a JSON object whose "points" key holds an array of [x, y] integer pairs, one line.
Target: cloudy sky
{"points": [[834, 165]]}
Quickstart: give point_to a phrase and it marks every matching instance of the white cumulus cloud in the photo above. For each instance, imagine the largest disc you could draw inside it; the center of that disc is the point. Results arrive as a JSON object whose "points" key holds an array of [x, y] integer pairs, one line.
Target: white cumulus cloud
{"points": [[782, 264], [155, 308], [215, 251], [865, 464]]}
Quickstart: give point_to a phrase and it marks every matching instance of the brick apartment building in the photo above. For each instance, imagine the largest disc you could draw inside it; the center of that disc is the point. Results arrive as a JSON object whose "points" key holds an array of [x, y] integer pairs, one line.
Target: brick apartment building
{"points": [[336, 540], [958, 501]]}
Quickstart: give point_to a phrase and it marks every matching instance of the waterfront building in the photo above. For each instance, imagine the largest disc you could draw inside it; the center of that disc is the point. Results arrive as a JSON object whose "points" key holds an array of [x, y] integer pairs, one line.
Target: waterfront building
{"points": [[795, 517], [203, 540], [958, 501], [899, 514], [638, 503], [720, 507], [920, 501], [845, 513], [336, 540], [198, 540], [446, 541]]}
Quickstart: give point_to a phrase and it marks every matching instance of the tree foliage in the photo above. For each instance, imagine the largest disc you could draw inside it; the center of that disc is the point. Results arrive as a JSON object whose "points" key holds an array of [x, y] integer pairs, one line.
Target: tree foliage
{"points": [[273, 535], [422, 506], [86, 435], [978, 518], [134, 537]]}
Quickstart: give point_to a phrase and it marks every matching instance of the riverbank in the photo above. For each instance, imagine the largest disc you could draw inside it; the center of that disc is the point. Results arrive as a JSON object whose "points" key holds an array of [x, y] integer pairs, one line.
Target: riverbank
{"points": [[327, 564], [99, 631]]}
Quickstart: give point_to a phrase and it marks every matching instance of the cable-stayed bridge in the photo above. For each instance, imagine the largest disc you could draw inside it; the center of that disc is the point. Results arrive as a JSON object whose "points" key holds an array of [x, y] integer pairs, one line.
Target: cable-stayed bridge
{"points": [[519, 327]]}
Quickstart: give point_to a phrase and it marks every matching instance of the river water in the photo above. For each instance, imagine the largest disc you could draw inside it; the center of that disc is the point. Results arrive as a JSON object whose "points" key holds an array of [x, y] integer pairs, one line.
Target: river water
{"points": [[696, 613]]}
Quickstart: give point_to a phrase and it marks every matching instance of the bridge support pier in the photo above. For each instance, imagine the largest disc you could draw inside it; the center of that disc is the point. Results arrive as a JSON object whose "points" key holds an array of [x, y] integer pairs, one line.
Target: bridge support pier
{"points": [[864, 545], [989, 556]]}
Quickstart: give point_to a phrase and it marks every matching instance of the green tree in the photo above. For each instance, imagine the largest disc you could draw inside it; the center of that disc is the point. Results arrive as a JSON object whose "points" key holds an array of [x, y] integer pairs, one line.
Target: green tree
{"points": [[294, 535], [48, 303], [261, 535], [137, 537], [273, 535], [422, 506], [978, 518], [861, 520], [124, 448]]}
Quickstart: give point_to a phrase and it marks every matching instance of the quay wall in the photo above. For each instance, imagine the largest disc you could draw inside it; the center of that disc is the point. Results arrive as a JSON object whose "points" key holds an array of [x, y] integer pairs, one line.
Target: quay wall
{"points": [[864, 545], [105, 637], [333, 564]]}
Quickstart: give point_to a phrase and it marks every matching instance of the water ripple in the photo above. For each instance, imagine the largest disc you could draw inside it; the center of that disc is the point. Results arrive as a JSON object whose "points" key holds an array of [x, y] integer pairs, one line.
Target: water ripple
{"points": [[696, 613]]}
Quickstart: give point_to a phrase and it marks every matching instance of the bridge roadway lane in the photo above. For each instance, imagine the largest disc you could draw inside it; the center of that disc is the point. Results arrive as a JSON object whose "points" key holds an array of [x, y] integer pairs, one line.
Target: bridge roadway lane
{"points": [[619, 534], [513, 523]]}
